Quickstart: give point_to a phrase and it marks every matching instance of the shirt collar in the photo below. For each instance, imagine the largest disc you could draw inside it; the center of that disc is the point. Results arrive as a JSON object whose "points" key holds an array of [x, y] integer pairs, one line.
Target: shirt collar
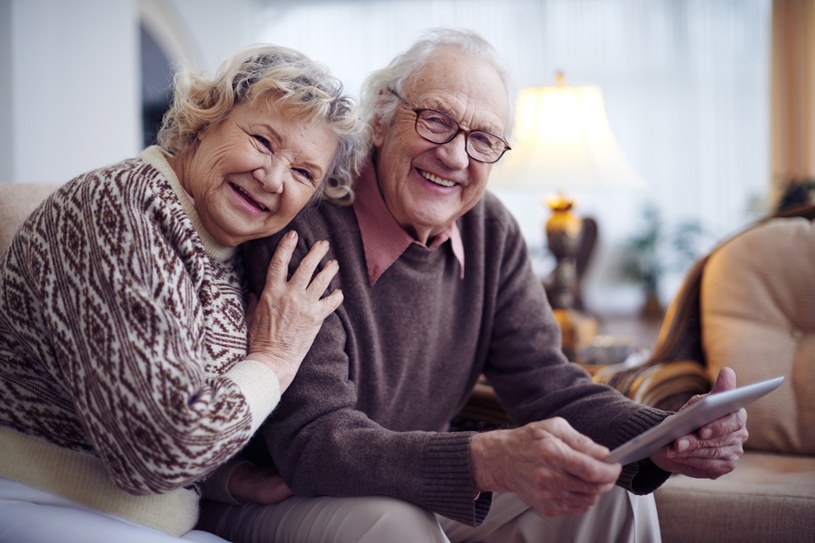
{"points": [[383, 239]]}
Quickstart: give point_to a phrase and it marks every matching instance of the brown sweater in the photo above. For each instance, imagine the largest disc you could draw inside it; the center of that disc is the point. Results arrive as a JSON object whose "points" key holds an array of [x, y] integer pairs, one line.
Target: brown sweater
{"points": [[369, 409], [123, 377]]}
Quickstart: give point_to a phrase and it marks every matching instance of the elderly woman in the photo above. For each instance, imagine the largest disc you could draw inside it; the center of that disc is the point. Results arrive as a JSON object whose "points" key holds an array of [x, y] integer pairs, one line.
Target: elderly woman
{"points": [[128, 372]]}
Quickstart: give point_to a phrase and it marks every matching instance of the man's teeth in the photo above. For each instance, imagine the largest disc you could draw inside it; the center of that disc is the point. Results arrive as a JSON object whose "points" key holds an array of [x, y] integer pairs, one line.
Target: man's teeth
{"points": [[438, 180]]}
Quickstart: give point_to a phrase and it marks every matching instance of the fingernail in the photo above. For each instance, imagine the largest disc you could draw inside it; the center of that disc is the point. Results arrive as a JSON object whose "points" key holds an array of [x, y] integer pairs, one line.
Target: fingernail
{"points": [[682, 445], [707, 433], [291, 234]]}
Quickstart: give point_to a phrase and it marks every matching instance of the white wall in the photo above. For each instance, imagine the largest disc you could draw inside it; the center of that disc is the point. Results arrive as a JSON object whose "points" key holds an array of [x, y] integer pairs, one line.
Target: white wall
{"points": [[73, 86], [6, 127], [70, 93]]}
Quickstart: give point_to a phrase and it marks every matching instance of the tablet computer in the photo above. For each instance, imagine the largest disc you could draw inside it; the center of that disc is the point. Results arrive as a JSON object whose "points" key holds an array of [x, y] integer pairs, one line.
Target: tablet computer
{"points": [[708, 409]]}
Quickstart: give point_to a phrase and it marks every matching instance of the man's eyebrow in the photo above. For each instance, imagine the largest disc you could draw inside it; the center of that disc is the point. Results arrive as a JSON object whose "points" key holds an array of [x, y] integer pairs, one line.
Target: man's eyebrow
{"points": [[443, 107]]}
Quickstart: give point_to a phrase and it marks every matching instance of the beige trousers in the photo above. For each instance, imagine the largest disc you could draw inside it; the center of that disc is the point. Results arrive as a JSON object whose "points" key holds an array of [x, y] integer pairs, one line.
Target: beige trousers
{"points": [[618, 517]]}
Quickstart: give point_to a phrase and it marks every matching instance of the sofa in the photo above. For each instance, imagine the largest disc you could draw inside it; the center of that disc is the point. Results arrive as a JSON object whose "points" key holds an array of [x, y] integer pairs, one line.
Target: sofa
{"points": [[749, 305], [17, 201]]}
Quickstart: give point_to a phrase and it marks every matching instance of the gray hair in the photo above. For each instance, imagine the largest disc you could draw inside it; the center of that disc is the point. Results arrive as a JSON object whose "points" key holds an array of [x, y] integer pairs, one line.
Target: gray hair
{"points": [[298, 85], [378, 105]]}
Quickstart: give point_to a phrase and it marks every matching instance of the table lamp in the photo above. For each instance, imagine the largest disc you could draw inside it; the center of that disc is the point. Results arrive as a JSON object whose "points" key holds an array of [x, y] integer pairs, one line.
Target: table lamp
{"points": [[563, 141]]}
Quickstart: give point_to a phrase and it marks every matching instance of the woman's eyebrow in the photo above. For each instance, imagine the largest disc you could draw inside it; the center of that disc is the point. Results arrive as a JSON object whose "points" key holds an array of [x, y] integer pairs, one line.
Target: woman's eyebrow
{"points": [[315, 168]]}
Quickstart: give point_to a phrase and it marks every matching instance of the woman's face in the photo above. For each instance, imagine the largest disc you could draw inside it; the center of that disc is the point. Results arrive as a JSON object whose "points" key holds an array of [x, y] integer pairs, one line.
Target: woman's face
{"points": [[252, 172]]}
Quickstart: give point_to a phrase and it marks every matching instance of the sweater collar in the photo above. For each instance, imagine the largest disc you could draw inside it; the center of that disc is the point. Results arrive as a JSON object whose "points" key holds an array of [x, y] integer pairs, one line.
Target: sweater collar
{"points": [[154, 156], [383, 239]]}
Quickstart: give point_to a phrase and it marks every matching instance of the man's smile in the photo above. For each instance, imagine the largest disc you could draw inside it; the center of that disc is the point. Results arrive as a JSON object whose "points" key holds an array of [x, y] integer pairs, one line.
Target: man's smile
{"points": [[436, 179]]}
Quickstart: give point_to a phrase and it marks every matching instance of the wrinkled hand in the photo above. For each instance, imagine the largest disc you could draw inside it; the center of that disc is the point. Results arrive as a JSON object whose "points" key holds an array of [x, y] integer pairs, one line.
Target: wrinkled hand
{"points": [[548, 464], [251, 484], [714, 449], [284, 321]]}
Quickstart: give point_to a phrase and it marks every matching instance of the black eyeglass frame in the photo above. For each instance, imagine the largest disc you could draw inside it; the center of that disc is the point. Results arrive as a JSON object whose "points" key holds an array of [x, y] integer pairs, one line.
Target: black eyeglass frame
{"points": [[418, 111]]}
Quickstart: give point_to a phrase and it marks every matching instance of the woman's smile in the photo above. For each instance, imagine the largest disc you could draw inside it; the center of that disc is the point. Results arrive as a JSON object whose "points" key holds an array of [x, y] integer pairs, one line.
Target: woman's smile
{"points": [[246, 197]]}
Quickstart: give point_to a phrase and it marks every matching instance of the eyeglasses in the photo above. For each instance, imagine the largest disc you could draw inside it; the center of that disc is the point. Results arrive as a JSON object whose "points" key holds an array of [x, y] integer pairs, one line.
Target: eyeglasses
{"points": [[437, 127]]}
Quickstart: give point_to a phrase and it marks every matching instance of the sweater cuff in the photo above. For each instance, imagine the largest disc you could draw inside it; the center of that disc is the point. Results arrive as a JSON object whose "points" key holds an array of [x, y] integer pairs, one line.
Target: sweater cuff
{"points": [[448, 487], [216, 487], [260, 388], [642, 477]]}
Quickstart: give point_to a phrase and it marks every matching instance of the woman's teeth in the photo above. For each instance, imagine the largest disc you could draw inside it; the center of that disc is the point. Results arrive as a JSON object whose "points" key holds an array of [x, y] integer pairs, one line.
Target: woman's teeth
{"points": [[249, 198], [437, 180]]}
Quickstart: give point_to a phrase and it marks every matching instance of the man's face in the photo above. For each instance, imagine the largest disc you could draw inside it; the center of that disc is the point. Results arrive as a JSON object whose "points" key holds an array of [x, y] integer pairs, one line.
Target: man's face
{"points": [[427, 186]]}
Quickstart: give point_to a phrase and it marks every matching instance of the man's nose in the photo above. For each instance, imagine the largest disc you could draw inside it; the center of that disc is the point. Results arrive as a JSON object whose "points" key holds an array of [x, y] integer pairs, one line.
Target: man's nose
{"points": [[454, 152]]}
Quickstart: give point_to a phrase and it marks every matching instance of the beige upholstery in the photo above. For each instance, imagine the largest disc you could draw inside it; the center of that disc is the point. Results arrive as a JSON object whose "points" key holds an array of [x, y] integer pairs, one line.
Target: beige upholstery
{"points": [[17, 201], [768, 498], [749, 305], [758, 310]]}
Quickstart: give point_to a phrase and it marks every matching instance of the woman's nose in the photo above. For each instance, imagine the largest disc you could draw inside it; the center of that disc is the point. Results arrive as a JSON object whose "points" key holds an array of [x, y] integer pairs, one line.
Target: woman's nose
{"points": [[270, 176]]}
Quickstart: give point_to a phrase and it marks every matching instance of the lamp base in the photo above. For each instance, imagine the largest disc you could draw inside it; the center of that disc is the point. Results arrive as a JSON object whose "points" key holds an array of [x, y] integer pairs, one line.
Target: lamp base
{"points": [[563, 229]]}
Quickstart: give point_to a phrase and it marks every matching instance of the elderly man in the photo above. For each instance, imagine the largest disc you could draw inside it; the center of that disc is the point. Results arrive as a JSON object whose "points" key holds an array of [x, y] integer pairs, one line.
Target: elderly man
{"points": [[438, 290]]}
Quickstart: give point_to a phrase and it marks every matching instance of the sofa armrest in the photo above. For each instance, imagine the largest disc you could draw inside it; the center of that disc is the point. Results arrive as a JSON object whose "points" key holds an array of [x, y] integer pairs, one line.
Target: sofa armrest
{"points": [[17, 201], [664, 385]]}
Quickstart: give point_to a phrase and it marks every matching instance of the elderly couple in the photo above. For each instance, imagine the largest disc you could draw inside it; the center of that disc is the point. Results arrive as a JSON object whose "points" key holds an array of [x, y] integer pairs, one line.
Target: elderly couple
{"points": [[383, 281]]}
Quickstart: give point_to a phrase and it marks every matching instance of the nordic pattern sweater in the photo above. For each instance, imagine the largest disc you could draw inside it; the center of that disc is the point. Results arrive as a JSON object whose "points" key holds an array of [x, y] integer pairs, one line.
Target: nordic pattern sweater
{"points": [[368, 411], [123, 378]]}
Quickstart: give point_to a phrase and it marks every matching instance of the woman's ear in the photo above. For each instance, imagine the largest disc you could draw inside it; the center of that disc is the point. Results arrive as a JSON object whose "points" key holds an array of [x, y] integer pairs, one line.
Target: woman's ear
{"points": [[199, 137]]}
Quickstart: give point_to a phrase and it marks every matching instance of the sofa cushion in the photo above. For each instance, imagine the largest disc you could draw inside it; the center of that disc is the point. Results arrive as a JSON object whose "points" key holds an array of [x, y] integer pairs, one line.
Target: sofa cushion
{"points": [[757, 300], [768, 497], [17, 201]]}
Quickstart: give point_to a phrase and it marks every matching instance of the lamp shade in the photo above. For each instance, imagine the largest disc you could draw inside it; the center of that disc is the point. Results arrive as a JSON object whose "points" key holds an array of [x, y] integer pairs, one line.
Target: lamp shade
{"points": [[563, 141]]}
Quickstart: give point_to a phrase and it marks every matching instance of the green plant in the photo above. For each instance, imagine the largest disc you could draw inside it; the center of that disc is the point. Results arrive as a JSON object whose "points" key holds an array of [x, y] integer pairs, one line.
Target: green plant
{"points": [[659, 248]]}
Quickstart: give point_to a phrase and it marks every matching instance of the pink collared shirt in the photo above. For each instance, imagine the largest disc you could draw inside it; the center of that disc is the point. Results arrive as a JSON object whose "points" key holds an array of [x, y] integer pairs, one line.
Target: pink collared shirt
{"points": [[383, 239]]}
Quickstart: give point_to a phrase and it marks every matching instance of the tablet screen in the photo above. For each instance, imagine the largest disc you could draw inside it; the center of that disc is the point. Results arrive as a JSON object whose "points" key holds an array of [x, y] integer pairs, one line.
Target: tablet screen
{"points": [[708, 409]]}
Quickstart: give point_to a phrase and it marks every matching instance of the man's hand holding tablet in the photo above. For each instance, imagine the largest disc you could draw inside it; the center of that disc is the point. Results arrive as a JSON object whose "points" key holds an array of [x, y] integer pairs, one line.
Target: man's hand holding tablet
{"points": [[712, 450]]}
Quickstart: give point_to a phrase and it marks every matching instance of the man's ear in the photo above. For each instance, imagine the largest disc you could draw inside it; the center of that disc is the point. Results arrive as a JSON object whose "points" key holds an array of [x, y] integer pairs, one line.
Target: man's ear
{"points": [[378, 131], [378, 128]]}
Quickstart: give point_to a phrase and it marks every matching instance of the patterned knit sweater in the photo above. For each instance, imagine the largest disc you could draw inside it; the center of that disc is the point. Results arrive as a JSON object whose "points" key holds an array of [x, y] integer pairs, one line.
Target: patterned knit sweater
{"points": [[123, 371]]}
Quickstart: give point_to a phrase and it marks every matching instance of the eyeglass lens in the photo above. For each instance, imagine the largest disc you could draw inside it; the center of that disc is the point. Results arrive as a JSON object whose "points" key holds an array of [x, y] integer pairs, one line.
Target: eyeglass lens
{"points": [[440, 128]]}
